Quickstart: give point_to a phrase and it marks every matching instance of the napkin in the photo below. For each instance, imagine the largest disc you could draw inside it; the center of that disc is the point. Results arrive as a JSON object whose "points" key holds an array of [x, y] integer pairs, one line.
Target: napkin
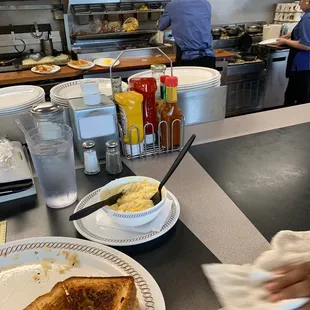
{"points": [[156, 225], [240, 287]]}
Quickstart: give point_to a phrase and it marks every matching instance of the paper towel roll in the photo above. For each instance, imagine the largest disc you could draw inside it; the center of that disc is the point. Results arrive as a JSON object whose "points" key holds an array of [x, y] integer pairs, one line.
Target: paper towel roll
{"points": [[271, 31]]}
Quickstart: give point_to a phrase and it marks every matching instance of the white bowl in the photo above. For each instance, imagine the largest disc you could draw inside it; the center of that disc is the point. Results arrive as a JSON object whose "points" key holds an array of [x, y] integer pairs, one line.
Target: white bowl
{"points": [[133, 219]]}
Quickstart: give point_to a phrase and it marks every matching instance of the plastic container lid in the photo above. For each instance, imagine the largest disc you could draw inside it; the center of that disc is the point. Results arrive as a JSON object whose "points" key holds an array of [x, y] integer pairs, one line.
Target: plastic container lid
{"points": [[163, 79], [172, 81], [129, 96]]}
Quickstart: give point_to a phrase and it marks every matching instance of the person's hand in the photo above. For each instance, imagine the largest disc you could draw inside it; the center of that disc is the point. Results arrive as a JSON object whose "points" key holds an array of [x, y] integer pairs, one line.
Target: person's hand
{"points": [[282, 41], [293, 282], [287, 36]]}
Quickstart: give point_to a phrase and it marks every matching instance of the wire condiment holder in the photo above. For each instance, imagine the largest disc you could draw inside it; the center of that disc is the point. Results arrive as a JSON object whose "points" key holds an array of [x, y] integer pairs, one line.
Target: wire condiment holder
{"points": [[156, 147]]}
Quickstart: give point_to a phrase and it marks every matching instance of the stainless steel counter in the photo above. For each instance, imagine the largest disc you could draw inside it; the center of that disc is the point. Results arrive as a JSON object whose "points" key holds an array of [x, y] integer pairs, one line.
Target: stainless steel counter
{"points": [[276, 78]]}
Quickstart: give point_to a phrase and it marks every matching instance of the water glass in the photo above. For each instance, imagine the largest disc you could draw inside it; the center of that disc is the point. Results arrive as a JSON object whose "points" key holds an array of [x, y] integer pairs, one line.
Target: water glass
{"points": [[51, 149]]}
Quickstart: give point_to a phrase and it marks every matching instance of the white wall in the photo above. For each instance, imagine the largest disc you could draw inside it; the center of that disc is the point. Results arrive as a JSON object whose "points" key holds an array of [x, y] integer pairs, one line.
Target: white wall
{"points": [[233, 11]]}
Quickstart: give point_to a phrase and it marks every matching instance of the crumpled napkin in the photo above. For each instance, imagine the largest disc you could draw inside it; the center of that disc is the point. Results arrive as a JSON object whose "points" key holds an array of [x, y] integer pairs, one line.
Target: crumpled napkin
{"points": [[156, 225], [240, 287]]}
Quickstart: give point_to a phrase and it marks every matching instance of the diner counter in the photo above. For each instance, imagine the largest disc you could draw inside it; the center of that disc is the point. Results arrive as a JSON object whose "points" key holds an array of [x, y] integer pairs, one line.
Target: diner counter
{"points": [[220, 221], [27, 76], [212, 214]]}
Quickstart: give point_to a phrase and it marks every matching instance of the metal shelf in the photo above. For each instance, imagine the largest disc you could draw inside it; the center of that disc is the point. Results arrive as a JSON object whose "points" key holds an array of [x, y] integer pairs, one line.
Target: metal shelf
{"points": [[114, 35], [22, 7], [119, 12]]}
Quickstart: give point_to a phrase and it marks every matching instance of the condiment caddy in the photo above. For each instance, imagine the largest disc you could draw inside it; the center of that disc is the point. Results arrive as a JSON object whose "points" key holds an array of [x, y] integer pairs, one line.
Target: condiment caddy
{"points": [[145, 134], [132, 151]]}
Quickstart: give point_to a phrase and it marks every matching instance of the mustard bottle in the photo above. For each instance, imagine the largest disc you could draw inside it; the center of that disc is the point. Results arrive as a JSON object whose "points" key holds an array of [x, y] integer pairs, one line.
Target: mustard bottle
{"points": [[131, 118]]}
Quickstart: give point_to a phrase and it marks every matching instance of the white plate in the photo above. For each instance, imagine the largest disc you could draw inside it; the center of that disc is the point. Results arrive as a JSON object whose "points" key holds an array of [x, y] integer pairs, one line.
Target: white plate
{"points": [[200, 85], [217, 84], [54, 70], [22, 260], [19, 96], [72, 89], [88, 227], [101, 62], [15, 112], [22, 106], [270, 41], [188, 76], [89, 66]]}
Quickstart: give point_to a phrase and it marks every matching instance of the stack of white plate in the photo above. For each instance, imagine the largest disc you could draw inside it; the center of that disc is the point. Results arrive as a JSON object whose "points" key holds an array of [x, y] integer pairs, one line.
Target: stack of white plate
{"points": [[190, 78], [61, 93], [19, 99]]}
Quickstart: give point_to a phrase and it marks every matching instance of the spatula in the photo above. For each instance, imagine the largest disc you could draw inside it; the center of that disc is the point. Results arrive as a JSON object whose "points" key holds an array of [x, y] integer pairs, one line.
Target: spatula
{"points": [[95, 207], [158, 197]]}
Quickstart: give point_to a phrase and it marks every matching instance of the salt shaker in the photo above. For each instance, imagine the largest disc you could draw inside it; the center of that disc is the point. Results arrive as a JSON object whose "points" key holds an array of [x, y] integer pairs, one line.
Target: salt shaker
{"points": [[113, 158], [90, 158]]}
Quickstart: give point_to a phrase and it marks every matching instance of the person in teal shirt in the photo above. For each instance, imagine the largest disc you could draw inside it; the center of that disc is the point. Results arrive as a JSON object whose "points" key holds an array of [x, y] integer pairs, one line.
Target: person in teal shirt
{"points": [[298, 66], [190, 21]]}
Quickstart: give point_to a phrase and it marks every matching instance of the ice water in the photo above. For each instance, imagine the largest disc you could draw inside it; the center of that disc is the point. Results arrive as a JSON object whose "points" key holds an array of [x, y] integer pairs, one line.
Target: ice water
{"points": [[55, 167]]}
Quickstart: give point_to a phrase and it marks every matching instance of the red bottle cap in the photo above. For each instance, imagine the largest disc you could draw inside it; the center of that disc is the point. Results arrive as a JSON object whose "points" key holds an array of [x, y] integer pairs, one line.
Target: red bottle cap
{"points": [[172, 81], [163, 79]]}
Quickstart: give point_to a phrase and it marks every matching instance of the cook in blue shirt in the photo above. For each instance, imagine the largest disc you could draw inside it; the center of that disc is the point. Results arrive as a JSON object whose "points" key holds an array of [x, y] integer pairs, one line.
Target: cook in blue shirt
{"points": [[298, 65], [190, 21]]}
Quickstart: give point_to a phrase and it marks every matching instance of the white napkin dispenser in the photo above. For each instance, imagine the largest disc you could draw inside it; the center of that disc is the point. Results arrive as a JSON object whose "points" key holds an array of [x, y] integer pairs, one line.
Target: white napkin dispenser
{"points": [[93, 122]]}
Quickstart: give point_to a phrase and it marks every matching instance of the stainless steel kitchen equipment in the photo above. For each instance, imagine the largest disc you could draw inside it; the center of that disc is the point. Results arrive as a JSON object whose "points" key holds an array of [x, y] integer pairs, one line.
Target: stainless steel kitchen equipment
{"points": [[231, 41], [33, 55], [254, 29], [276, 78], [47, 47], [216, 33], [246, 88], [232, 31], [245, 76], [94, 39], [203, 105], [10, 62], [96, 122], [11, 36]]}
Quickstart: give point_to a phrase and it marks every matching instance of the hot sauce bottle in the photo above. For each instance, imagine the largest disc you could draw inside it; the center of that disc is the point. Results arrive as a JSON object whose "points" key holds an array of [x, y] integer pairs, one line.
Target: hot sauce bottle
{"points": [[172, 115]]}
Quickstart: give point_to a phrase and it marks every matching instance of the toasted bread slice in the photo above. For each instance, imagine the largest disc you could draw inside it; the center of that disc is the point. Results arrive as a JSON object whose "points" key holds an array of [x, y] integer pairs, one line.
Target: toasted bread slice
{"points": [[82, 293]]}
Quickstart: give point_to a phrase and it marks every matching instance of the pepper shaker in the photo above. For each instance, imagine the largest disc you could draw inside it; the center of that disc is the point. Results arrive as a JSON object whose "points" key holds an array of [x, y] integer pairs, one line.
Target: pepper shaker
{"points": [[113, 158], [90, 158]]}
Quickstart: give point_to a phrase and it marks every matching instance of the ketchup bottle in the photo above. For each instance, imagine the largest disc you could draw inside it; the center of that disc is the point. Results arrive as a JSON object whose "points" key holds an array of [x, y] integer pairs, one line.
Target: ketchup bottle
{"points": [[147, 87]]}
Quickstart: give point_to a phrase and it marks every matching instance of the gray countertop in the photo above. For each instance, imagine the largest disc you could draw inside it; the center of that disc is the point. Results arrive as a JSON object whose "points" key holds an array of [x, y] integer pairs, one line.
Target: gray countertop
{"points": [[210, 214], [212, 226]]}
